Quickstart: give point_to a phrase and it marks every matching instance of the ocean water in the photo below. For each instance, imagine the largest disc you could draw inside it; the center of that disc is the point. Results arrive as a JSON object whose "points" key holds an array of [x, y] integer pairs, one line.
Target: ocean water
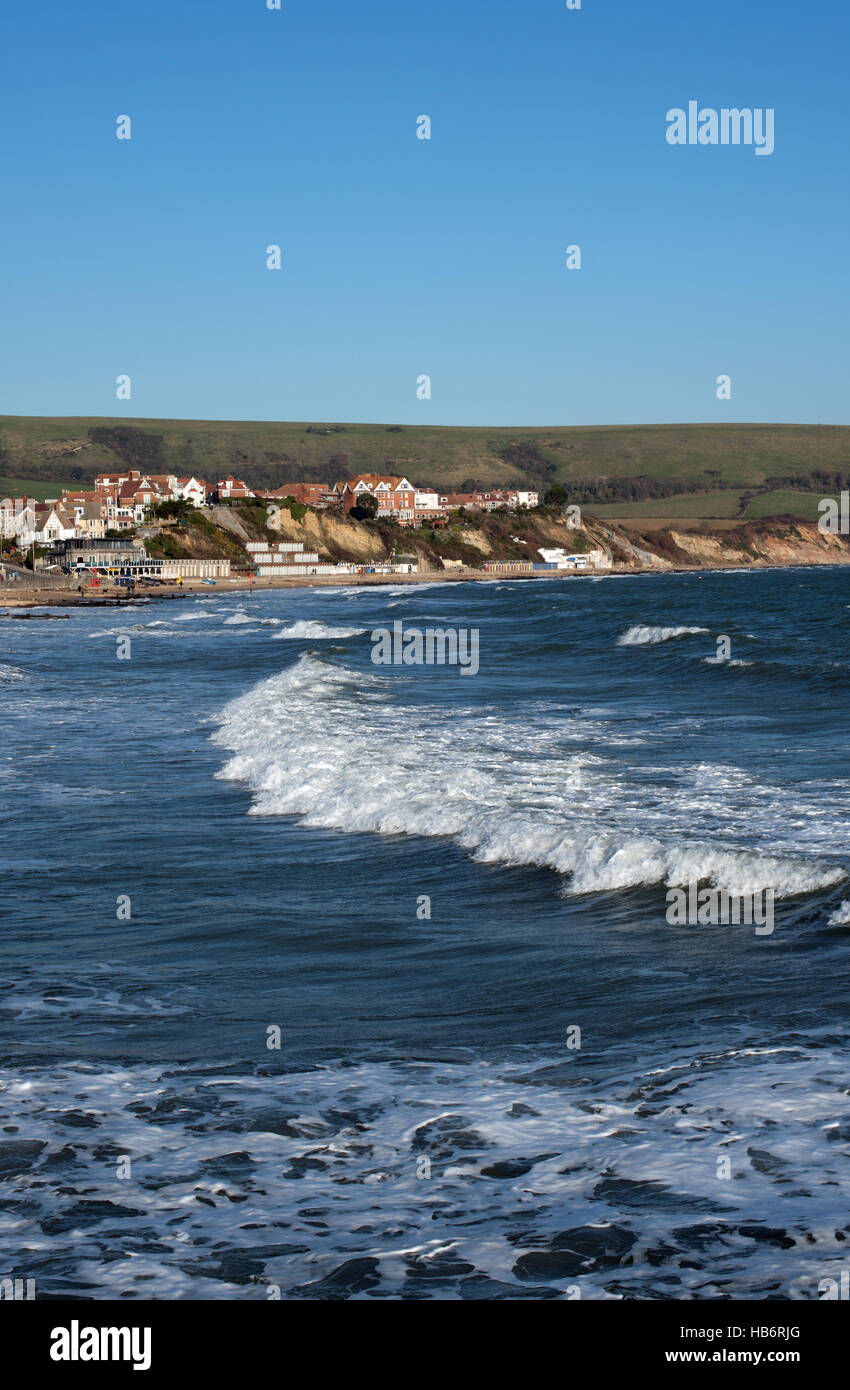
{"points": [[427, 881]]}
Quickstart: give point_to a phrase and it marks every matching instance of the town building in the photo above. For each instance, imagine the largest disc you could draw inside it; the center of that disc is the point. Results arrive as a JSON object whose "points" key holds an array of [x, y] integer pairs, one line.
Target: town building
{"points": [[52, 524], [396, 497], [18, 520], [233, 489]]}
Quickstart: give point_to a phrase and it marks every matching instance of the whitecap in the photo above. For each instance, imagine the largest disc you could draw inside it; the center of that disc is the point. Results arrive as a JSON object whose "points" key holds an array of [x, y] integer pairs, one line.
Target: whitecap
{"points": [[640, 636], [304, 628], [302, 740]]}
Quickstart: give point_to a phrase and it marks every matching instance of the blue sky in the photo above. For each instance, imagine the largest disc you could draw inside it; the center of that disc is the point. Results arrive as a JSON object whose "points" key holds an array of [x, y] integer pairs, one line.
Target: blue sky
{"points": [[404, 257]]}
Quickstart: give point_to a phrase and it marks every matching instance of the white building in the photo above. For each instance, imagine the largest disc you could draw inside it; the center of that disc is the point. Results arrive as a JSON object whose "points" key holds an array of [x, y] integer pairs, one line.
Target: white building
{"points": [[18, 520], [426, 501], [192, 490], [54, 525], [589, 559]]}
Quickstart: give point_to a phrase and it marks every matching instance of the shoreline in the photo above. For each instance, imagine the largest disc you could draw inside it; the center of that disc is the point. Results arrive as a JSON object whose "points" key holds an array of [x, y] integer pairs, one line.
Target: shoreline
{"points": [[54, 597]]}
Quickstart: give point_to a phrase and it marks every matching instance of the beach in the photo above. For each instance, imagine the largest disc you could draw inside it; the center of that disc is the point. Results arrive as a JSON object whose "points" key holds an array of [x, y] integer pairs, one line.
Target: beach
{"points": [[67, 596]]}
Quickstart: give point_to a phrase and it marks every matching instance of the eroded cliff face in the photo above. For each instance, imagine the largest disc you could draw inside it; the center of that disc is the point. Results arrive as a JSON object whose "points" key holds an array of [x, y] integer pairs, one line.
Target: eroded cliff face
{"points": [[331, 535], [763, 543]]}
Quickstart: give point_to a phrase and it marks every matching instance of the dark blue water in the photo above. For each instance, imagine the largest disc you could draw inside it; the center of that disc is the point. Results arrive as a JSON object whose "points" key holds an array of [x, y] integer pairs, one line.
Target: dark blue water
{"points": [[279, 816]]}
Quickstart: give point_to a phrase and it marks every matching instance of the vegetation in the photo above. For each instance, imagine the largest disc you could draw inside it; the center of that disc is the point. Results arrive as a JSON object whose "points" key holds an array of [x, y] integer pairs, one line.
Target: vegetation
{"points": [[367, 507], [596, 465], [787, 503], [33, 487], [178, 508], [297, 510]]}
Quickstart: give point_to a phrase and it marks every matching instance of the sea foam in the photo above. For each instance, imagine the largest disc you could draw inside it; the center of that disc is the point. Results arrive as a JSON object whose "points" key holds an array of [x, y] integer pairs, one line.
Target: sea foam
{"points": [[305, 628], [305, 742], [640, 636]]}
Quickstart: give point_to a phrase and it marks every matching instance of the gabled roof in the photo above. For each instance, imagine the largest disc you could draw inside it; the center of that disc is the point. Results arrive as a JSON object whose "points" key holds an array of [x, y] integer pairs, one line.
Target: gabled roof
{"points": [[385, 481]]}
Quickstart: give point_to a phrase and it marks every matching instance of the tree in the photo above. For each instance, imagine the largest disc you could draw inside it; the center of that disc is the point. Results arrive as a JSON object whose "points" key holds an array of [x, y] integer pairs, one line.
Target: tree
{"points": [[179, 507], [367, 506], [556, 496]]}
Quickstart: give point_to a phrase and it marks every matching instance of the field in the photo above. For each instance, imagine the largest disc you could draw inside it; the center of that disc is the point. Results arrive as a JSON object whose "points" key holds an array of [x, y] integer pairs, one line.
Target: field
{"points": [[31, 487], [786, 503], [723, 504]]}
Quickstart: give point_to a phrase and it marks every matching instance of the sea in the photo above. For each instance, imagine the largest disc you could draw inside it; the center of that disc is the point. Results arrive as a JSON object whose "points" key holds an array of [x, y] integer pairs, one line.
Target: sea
{"points": [[328, 980]]}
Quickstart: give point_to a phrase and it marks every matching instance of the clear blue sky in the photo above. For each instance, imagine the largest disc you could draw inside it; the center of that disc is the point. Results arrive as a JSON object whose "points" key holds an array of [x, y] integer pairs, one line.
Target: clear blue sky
{"points": [[401, 256]]}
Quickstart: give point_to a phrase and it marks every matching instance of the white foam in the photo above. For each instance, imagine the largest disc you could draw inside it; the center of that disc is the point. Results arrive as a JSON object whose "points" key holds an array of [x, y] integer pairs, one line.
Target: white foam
{"points": [[153, 629], [640, 636], [305, 742], [635, 1147], [240, 619], [11, 673], [725, 661], [305, 628], [841, 916]]}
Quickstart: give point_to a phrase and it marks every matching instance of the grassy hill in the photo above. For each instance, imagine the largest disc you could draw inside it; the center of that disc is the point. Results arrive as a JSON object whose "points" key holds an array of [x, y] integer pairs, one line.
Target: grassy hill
{"points": [[702, 468], [30, 487]]}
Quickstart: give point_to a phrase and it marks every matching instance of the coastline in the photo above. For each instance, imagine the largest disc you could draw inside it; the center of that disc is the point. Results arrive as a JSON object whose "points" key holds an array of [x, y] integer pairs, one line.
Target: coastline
{"points": [[53, 596]]}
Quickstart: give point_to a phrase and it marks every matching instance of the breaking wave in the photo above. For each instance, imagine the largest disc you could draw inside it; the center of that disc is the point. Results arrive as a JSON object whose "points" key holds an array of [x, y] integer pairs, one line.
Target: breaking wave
{"points": [[640, 636], [306, 628], [329, 746], [240, 619]]}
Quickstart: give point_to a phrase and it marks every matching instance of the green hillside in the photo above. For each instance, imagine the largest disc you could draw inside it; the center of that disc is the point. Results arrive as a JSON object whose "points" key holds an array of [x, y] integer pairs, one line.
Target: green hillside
{"points": [[32, 487], [603, 465]]}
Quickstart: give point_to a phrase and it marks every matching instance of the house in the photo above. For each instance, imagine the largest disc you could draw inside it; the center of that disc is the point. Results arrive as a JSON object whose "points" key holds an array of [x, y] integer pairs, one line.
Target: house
{"points": [[459, 500], [134, 497], [166, 483], [114, 480], [88, 511], [396, 497], [76, 501], [18, 520], [53, 524], [488, 501], [428, 506], [192, 490], [234, 488], [91, 521], [589, 559]]}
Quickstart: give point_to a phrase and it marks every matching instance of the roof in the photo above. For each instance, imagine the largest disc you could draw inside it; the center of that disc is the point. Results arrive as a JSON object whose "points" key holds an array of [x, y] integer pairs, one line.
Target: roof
{"points": [[372, 480]]}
